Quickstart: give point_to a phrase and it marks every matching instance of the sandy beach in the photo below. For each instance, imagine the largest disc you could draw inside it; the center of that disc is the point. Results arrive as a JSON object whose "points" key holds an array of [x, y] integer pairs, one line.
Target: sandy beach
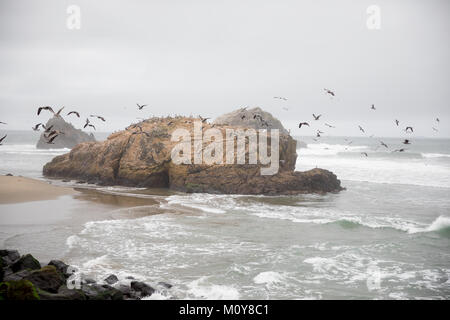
{"points": [[20, 189]]}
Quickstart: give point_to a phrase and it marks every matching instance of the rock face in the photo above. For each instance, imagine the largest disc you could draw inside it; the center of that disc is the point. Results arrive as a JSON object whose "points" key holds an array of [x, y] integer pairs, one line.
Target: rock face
{"points": [[141, 156], [69, 139], [254, 118]]}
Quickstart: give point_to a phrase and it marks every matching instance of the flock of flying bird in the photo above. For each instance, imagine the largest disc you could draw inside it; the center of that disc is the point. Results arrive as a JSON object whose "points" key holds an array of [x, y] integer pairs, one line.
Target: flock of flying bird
{"points": [[408, 129], [51, 134]]}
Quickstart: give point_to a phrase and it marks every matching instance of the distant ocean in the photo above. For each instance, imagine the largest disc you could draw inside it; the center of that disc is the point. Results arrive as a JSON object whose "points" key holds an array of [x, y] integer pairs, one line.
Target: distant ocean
{"points": [[386, 237]]}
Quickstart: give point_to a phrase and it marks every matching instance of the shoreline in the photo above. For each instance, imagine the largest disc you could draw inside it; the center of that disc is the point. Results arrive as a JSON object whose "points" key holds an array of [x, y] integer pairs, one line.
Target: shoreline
{"points": [[18, 189]]}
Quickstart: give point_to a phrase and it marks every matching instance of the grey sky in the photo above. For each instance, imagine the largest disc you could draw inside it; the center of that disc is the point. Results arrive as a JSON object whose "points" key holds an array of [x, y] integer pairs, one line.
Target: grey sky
{"points": [[210, 57]]}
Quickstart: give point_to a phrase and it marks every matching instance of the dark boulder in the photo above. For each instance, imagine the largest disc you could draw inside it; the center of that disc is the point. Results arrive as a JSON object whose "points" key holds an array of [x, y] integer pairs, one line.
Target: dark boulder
{"points": [[64, 293], [111, 279], [61, 267], [141, 288], [101, 292], [48, 279], [9, 256], [19, 275], [18, 290], [165, 284], [26, 262]]}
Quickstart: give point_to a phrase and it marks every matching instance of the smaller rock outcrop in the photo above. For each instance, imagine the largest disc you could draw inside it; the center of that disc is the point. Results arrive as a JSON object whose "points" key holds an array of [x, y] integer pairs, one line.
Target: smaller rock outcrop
{"points": [[69, 137]]}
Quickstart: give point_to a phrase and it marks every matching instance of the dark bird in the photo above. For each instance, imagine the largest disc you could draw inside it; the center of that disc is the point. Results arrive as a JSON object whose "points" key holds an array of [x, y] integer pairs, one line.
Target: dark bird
{"points": [[47, 129], [316, 117], [406, 141], [52, 133], [329, 125], [320, 132], [373, 107], [91, 125], [36, 127], [87, 123], [409, 128], [141, 106], [437, 120], [329, 92], [59, 111], [3, 122], [397, 122], [303, 124], [74, 112], [364, 154], [50, 141], [361, 128], [45, 108], [1, 140], [280, 98], [384, 144], [203, 119], [243, 117], [399, 150], [100, 117], [258, 116], [318, 135]]}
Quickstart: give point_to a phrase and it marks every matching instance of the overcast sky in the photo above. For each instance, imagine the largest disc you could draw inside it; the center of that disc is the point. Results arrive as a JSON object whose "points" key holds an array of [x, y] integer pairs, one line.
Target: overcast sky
{"points": [[209, 57]]}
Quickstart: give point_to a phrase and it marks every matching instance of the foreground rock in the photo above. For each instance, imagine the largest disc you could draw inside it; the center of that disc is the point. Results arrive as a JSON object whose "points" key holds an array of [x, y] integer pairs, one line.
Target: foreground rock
{"points": [[54, 282], [140, 156], [69, 139]]}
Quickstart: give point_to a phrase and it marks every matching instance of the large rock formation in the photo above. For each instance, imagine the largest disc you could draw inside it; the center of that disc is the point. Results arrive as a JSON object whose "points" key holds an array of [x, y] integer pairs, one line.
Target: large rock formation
{"points": [[69, 138], [140, 156]]}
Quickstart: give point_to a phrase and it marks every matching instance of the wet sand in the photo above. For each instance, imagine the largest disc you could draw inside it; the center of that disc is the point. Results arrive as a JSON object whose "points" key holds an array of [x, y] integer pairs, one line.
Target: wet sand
{"points": [[38, 217], [20, 189]]}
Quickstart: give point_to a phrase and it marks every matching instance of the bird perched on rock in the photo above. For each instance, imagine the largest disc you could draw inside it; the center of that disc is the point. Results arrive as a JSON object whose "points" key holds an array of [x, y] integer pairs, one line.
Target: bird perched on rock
{"points": [[203, 119]]}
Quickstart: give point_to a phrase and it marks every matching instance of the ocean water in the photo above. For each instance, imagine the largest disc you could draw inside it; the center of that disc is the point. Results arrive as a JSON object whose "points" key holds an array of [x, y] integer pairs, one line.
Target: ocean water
{"points": [[387, 236]]}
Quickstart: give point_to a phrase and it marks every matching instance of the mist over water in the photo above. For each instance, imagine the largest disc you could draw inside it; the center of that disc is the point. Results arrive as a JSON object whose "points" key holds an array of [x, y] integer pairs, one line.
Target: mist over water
{"points": [[392, 218]]}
